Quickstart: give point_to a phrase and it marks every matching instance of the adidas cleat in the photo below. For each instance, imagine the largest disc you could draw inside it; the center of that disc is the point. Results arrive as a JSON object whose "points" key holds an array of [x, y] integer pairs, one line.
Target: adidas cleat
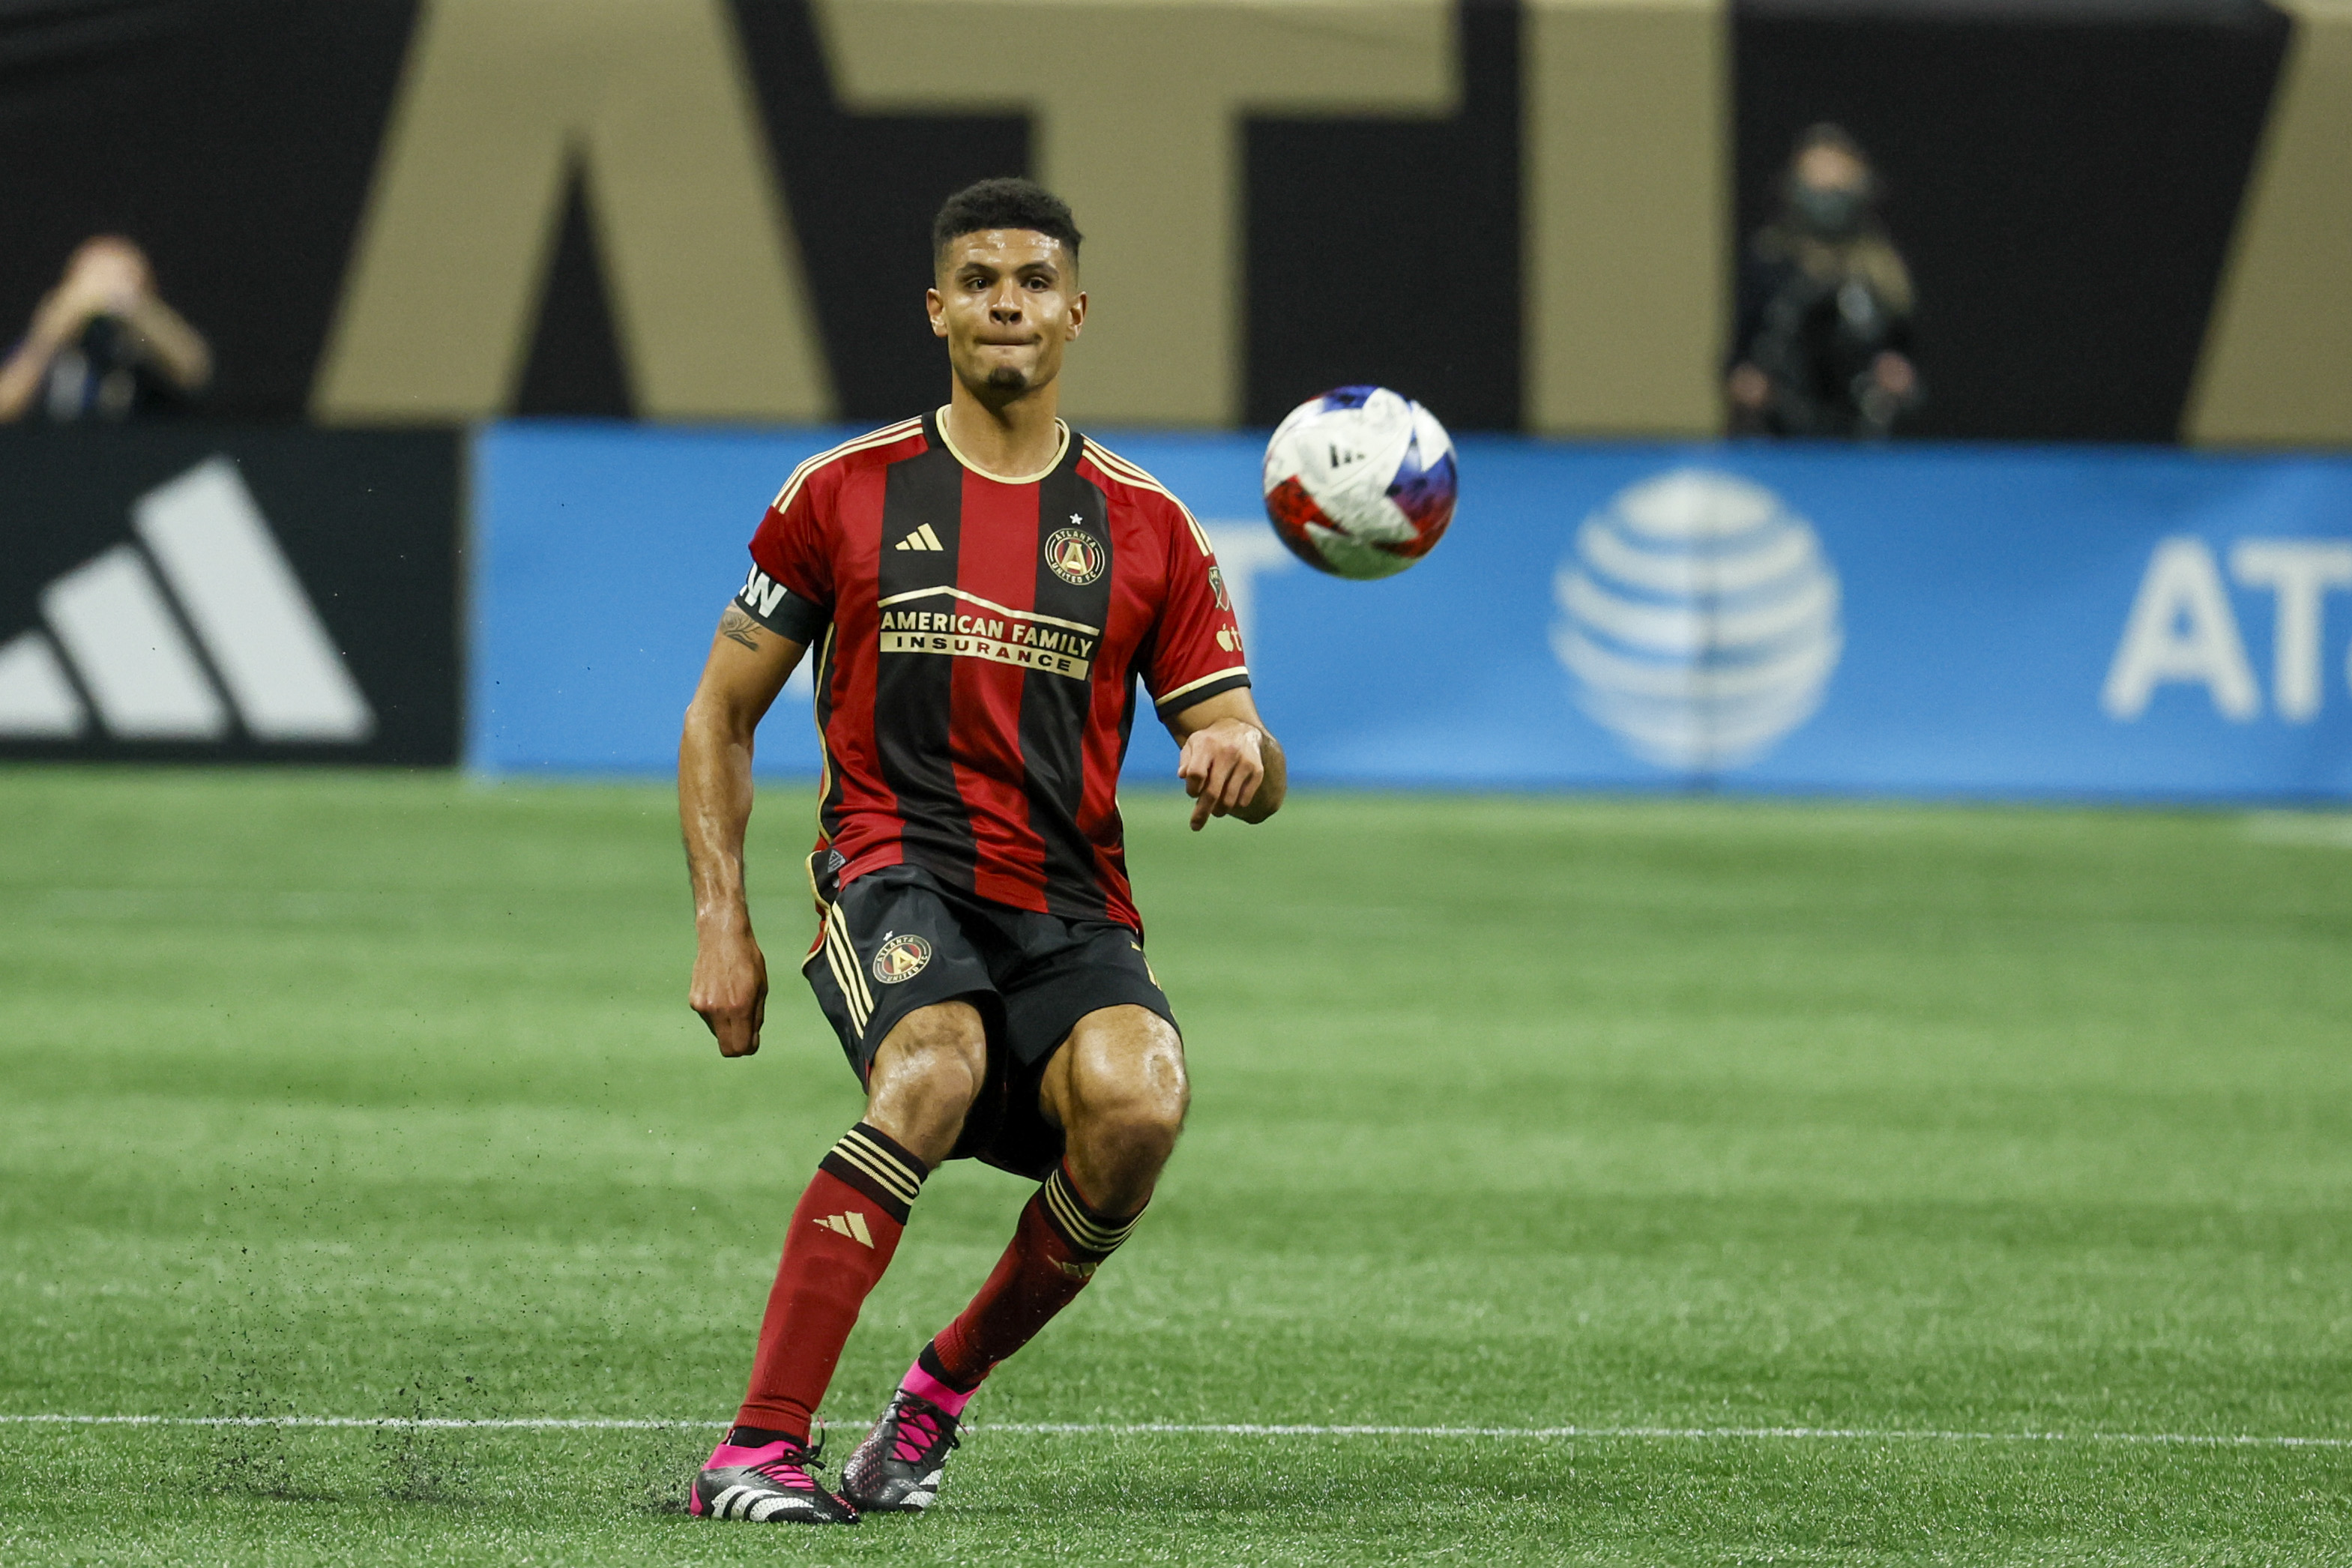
{"points": [[897, 1469], [775, 1483]]}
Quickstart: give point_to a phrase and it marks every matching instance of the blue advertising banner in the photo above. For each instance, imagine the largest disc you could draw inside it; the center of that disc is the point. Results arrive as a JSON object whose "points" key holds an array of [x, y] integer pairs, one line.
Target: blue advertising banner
{"points": [[1895, 619], [602, 554]]}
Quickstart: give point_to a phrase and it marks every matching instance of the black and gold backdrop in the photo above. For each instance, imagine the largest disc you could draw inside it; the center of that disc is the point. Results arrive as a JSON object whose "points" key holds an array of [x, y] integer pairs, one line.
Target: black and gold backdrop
{"points": [[2066, 181]]}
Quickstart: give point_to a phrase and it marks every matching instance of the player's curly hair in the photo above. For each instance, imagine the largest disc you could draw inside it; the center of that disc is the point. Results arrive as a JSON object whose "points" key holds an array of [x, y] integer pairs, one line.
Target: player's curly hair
{"points": [[1003, 204]]}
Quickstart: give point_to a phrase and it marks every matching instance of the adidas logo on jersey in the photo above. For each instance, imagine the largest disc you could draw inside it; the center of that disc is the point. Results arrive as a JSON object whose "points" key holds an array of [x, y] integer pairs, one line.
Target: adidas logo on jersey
{"points": [[851, 1225], [170, 639], [921, 538]]}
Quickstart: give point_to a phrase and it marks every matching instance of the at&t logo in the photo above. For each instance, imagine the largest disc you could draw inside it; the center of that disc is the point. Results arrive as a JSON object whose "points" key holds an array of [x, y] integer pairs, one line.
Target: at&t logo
{"points": [[1699, 618]]}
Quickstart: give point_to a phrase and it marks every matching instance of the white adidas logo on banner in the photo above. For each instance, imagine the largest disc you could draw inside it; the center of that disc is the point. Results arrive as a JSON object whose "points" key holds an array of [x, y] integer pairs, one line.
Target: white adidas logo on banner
{"points": [[264, 651]]}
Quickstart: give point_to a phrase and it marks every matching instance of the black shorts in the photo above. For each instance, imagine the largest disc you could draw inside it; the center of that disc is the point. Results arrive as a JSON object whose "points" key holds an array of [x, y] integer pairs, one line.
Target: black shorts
{"points": [[898, 939]]}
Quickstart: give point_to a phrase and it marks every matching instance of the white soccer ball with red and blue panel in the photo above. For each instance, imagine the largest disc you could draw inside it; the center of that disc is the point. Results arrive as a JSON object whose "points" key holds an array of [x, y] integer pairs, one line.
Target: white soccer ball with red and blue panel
{"points": [[1359, 482]]}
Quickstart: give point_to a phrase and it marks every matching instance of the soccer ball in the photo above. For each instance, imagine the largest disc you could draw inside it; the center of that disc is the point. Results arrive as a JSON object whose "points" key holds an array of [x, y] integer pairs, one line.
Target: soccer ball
{"points": [[1359, 482]]}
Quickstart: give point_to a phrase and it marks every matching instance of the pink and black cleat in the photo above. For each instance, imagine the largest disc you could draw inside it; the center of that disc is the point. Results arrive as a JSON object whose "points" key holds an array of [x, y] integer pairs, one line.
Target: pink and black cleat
{"points": [[898, 1468], [769, 1483]]}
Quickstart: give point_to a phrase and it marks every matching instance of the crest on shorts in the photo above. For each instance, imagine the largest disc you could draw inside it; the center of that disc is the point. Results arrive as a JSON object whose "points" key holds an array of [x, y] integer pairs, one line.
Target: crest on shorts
{"points": [[900, 958], [1076, 556]]}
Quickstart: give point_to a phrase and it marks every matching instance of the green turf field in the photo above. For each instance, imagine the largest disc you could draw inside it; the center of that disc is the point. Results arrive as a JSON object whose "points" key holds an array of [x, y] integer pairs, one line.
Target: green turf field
{"points": [[375, 1097]]}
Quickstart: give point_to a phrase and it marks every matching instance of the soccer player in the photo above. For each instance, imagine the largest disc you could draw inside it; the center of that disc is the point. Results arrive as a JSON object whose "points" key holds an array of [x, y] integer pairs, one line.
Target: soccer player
{"points": [[983, 586]]}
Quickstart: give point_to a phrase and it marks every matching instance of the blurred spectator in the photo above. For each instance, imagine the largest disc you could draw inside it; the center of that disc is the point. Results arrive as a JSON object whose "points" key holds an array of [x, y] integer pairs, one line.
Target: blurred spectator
{"points": [[1823, 343], [103, 345]]}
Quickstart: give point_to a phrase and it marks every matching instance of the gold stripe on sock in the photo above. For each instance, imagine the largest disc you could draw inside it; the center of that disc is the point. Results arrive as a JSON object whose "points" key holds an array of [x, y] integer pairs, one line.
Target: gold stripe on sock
{"points": [[1064, 1205], [878, 1145], [878, 1163]]}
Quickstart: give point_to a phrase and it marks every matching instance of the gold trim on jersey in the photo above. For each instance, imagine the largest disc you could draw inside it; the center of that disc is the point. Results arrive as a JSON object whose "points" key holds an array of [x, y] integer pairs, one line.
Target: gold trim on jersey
{"points": [[820, 681], [1195, 685], [1061, 450], [986, 604], [1120, 469], [887, 435], [808, 868]]}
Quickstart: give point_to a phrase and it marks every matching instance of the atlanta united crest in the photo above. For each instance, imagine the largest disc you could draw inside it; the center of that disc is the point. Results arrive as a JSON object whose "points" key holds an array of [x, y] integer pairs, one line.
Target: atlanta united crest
{"points": [[901, 958], [1076, 556]]}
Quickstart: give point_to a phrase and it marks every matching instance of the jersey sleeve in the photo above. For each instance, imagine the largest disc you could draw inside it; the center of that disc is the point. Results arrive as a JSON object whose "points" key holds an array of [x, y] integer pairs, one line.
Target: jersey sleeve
{"points": [[1196, 650], [790, 590]]}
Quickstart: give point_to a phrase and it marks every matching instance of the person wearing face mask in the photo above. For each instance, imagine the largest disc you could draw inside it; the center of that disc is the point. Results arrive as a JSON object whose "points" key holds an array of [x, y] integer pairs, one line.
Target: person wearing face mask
{"points": [[1824, 342]]}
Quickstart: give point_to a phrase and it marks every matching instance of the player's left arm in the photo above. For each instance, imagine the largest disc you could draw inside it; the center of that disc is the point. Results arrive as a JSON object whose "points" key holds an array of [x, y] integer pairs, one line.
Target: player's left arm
{"points": [[1230, 764]]}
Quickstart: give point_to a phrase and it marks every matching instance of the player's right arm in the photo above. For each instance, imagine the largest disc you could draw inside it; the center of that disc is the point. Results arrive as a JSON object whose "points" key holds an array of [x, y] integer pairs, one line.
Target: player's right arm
{"points": [[747, 665], [783, 606]]}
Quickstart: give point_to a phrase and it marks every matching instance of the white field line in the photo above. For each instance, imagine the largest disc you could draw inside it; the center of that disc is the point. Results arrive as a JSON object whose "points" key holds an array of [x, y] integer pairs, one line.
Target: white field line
{"points": [[1241, 1429]]}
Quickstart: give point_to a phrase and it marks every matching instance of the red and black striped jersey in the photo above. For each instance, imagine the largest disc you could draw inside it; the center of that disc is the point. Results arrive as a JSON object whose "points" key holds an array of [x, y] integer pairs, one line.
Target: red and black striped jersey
{"points": [[979, 642]]}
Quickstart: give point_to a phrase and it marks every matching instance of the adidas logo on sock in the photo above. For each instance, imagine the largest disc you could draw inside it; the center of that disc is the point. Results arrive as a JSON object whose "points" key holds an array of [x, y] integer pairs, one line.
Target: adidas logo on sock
{"points": [[200, 624], [851, 1225], [921, 538]]}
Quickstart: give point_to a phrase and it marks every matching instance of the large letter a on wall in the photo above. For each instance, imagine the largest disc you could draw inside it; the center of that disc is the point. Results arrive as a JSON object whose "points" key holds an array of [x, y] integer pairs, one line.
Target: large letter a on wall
{"points": [[501, 99]]}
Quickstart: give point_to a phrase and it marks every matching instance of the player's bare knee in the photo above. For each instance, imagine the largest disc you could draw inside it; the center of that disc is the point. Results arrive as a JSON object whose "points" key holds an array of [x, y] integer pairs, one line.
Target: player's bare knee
{"points": [[944, 1047], [1129, 1089], [1150, 1107], [1140, 1129], [927, 1075]]}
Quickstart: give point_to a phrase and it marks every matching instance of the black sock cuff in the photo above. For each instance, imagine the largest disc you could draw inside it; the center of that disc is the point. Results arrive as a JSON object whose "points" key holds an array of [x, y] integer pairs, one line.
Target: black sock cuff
{"points": [[1087, 1229], [877, 1165], [761, 1436], [928, 1358]]}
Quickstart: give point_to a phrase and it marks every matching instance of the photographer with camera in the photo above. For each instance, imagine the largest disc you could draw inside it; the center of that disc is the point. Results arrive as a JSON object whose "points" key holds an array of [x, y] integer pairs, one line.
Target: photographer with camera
{"points": [[1823, 342], [104, 345]]}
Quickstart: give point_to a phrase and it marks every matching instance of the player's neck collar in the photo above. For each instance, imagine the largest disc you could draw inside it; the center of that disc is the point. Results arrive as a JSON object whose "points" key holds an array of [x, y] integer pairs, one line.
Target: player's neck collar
{"points": [[1061, 450]]}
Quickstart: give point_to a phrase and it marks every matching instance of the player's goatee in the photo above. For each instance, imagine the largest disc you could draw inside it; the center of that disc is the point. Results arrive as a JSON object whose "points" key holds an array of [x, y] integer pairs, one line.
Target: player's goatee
{"points": [[1006, 378]]}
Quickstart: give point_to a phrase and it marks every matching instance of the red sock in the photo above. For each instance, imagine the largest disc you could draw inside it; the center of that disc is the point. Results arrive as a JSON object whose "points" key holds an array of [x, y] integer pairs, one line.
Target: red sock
{"points": [[843, 1234], [1054, 1249]]}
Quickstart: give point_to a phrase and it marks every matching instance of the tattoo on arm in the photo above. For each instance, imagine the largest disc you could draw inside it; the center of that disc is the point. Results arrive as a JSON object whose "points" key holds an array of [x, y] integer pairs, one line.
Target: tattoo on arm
{"points": [[737, 627]]}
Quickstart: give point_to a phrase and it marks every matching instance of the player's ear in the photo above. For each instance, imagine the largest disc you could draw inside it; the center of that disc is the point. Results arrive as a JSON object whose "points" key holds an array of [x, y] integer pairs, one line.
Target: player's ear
{"points": [[938, 309], [1077, 314]]}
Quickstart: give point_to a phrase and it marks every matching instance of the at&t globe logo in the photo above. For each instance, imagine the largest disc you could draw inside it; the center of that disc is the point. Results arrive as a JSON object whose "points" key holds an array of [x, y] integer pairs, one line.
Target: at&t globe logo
{"points": [[1699, 619]]}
